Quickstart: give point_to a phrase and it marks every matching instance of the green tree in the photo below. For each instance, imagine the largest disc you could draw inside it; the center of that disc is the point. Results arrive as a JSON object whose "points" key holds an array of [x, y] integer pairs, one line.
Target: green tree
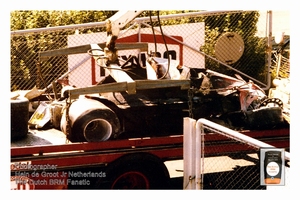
{"points": [[30, 19], [253, 59], [25, 48]]}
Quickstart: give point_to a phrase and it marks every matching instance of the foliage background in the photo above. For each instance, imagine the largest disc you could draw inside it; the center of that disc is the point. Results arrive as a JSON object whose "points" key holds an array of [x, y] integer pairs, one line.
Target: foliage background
{"points": [[243, 23]]}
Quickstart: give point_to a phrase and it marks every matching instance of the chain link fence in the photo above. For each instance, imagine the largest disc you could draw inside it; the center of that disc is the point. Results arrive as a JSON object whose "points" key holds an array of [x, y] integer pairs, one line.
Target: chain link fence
{"points": [[226, 159], [228, 42], [239, 169], [281, 60]]}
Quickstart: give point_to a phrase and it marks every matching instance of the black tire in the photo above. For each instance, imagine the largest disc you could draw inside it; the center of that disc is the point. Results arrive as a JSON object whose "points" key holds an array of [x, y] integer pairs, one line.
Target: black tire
{"points": [[136, 171], [91, 121], [19, 117]]}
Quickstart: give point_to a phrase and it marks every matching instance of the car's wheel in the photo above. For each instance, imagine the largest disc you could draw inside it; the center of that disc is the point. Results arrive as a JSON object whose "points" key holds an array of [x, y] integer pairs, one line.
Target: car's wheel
{"points": [[91, 121]]}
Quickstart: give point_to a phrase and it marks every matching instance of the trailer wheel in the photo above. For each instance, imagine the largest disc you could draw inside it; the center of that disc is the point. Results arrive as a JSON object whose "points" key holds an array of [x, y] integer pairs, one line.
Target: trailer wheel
{"points": [[132, 179], [137, 171]]}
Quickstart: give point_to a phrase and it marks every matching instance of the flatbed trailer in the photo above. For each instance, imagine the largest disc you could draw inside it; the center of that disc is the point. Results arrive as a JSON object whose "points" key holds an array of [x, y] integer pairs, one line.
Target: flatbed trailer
{"points": [[115, 164]]}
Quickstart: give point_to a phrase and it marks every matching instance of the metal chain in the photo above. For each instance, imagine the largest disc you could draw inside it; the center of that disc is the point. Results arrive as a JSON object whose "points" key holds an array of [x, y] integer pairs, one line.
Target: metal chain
{"points": [[190, 101], [68, 120]]}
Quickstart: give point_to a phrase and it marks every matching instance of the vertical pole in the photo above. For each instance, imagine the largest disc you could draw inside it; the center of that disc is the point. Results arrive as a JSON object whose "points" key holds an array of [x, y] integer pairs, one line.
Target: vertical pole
{"points": [[189, 153], [38, 73], [269, 52], [198, 156], [93, 71], [140, 40]]}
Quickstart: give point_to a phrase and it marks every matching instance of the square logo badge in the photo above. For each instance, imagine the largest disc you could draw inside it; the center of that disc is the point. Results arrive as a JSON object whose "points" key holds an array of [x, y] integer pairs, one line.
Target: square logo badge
{"points": [[272, 166]]}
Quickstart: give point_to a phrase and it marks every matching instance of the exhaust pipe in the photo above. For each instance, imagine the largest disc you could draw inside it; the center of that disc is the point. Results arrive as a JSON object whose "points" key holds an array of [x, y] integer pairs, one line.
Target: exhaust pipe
{"points": [[97, 129]]}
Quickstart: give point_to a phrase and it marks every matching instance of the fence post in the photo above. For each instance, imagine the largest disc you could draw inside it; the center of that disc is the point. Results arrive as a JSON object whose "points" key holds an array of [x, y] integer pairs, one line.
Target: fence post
{"points": [[198, 156], [189, 153]]}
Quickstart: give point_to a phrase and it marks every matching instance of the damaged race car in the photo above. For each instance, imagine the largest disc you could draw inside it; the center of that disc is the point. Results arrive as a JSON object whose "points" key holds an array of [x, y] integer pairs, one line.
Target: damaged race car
{"points": [[239, 104], [158, 111]]}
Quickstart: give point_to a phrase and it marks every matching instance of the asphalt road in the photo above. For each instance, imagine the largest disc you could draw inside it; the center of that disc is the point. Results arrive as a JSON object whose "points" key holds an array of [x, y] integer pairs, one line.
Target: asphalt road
{"points": [[222, 172]]}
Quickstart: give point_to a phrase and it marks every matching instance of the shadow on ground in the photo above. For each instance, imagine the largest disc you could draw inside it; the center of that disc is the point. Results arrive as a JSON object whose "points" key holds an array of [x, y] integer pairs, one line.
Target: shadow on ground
{"points": [[240, 178]]}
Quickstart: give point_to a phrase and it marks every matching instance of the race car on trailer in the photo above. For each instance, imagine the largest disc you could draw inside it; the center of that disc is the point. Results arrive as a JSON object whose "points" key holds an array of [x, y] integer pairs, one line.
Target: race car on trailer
{"points": [[120, 132]]}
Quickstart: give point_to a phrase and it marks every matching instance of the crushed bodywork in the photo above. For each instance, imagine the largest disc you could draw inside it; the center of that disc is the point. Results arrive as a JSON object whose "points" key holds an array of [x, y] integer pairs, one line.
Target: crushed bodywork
{"points": [[157, 107]]}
